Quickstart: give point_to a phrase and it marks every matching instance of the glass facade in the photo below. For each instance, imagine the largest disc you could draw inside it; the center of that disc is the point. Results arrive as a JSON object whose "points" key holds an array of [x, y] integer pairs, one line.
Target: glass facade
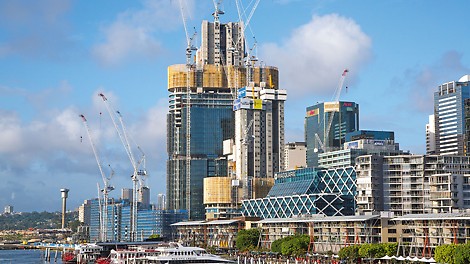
{"points": [[307, 191], [211, 123], [149, 221], [344, 117], [449, 112]]}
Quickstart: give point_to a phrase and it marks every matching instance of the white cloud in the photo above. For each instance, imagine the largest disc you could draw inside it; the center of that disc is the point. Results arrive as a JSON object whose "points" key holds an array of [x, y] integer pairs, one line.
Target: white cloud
{"points": [[52, 150], [313, 57], [10, 132], [124, 41], [135, 33]]}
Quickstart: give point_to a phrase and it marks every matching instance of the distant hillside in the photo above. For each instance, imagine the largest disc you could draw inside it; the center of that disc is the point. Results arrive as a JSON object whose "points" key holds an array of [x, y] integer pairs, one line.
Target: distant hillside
{"points": [[35, 220]]}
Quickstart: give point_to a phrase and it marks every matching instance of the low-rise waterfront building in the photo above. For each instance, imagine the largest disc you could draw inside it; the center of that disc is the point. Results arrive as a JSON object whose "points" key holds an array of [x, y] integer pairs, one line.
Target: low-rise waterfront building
{"points": [[416, 235], [412, 184], [214, 233]]}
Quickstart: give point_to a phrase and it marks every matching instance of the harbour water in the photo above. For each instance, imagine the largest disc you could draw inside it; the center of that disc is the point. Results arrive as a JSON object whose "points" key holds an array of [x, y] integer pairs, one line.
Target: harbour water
{"points": [[35, 256]]}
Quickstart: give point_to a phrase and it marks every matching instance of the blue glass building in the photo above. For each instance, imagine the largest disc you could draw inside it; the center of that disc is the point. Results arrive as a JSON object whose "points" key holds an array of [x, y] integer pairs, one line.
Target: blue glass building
{"points": [[344, 117], [452, 131], [150, 221], [307, 191]]}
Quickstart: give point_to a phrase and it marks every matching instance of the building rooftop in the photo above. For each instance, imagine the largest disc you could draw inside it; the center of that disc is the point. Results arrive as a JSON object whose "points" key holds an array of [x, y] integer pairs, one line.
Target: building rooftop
{"points": [[321, 218], [440, 216]]}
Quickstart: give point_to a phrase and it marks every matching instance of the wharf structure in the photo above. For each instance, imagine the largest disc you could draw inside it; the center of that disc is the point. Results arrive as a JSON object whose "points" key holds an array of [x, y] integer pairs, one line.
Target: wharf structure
{"points": [[416, 235]]}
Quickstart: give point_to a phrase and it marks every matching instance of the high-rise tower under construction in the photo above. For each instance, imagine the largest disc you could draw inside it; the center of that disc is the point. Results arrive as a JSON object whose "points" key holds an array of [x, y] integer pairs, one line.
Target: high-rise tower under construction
{"points": [[201, 116]]}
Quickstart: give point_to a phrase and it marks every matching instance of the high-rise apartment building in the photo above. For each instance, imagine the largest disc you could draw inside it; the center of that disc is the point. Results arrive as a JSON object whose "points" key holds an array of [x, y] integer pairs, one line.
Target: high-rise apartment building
{"points": [[126, 194], [84, 211], [295, 156], [413, 184], [161, 202], [8, 209], [259, 134], [201, 112], [431, 136], [450, 117], [326, 125]]}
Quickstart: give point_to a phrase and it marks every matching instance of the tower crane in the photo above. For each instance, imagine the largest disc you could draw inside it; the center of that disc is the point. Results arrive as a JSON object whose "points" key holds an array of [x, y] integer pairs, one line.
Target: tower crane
{"points": [[189, 49], [107, 187], [324, 145], [249, 59], [137, 174], [245, 140]]}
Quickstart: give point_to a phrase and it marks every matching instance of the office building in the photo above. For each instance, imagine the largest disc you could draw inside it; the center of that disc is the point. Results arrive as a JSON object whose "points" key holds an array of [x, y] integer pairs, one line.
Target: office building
{"points": [[326, 125], [449, 113], [201, 118], [295, 156], [150, 221], [361, 142]]}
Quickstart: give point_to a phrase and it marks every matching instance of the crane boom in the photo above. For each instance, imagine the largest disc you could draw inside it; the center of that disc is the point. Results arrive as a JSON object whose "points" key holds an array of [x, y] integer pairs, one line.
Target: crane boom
{"points": [[121, 136], [107, 188], [335, 99], [122, 133]]}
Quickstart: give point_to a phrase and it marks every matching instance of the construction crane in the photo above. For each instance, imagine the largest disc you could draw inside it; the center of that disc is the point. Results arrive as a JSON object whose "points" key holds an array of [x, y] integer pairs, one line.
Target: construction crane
{"points": [[189, 49], [250, 59], [107, 187], [137, 174], [325, 144], [245, 140]]}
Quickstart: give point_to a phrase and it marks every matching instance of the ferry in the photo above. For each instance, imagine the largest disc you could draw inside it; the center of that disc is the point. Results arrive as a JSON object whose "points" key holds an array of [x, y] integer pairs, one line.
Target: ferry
{"points": [[164, 253], [85, 254]]}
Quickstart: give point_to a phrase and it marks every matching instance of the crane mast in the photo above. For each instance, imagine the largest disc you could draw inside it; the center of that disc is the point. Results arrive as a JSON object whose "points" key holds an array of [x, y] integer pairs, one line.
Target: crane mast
{"points": [[107, 188], [189, 49], [245, 140]]}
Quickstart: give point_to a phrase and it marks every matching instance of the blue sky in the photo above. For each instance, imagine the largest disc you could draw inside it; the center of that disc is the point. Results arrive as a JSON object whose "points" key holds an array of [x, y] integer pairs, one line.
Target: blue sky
{"points": [[57, 55]]}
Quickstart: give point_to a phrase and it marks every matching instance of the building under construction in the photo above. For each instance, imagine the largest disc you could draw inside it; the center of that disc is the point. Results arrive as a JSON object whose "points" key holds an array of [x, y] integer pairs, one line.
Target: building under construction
{"points": [[201, 116]]}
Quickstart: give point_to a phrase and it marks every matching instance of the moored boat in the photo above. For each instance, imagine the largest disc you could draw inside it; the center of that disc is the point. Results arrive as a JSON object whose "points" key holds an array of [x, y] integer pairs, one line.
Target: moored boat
{"points": [[169, 253]]}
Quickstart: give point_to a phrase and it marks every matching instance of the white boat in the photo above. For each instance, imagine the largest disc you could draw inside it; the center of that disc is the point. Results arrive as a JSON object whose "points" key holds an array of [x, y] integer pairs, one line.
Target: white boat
{"points": [[165, 253], [88, 253]]}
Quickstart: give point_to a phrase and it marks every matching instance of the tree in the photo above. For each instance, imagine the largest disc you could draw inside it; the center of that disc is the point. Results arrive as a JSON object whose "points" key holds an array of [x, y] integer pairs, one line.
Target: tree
{"points": [[445, 253], [295, 246], [462, 254], [453, 254], [390, 249], [372, 250], [247, 239], [351, 253]]}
